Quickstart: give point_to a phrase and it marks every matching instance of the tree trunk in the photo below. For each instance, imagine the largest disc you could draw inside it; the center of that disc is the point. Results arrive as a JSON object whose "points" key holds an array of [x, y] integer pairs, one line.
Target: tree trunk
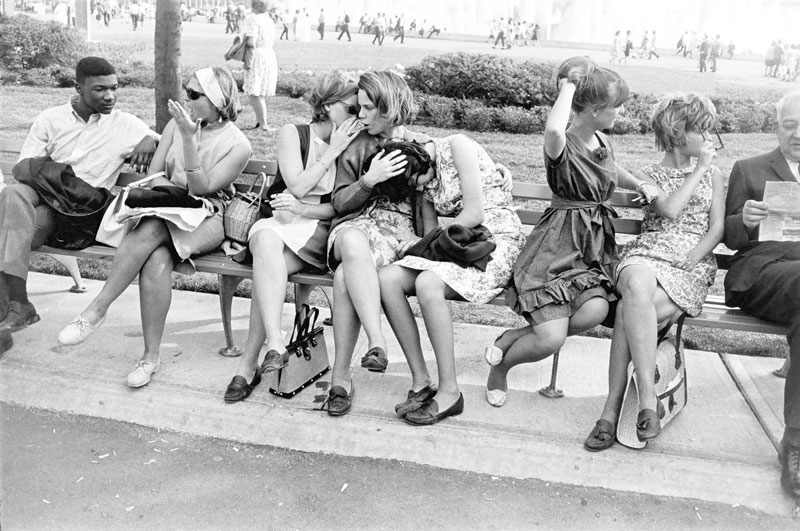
{"points": [[167, 58]]}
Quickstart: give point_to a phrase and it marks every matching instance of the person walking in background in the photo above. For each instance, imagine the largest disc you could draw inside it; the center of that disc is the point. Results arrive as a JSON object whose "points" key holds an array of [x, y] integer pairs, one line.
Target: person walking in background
{"points": [[617, 48], [705, 48], [433, 31], [652, 51], [261, 75], [764, 276], [285, 23], [321, 24], [400, 28], [345, 28], [501, 34], [133, 11], [626, 52], [682, 42], [362, 23], [666, 270], [230, 14]]}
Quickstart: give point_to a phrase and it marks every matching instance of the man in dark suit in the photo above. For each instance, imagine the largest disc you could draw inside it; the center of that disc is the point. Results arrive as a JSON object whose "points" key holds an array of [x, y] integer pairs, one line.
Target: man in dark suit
{"points": [[764, 277]]}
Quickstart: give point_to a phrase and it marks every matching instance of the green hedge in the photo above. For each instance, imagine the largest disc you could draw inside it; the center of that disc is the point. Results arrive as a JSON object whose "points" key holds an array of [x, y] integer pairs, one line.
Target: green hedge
{"points": [[477, 92]]}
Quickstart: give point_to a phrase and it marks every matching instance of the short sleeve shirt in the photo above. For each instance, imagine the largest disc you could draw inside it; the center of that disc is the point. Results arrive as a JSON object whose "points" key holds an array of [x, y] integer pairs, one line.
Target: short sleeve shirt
{"points": [[96, 149]]}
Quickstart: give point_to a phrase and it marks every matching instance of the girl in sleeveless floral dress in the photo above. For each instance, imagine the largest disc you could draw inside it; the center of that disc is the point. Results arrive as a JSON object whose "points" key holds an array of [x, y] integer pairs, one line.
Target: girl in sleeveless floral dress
{"points": [[461, 180], [667, 269], [562, 281]]}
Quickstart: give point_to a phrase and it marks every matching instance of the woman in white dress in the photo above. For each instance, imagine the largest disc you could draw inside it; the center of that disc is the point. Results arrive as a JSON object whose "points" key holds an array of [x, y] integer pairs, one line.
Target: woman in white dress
{"points": [[295, 237], [260, 74]]}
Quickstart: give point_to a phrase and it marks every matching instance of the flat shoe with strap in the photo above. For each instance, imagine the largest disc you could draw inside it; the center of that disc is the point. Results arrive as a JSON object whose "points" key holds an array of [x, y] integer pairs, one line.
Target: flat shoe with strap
{"points": [[415, 400], [274, 361], [375, 360], [601, 437], [429, 413], [339, 402], [239, 389], [647, 425]]}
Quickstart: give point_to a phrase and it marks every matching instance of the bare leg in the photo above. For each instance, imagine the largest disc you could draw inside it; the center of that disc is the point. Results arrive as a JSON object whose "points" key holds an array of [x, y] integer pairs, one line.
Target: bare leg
{"points": [[155, 296], [255, 340], [397, 283], [643, 300], [617, 370], [259, 104], [431, 293], [345, 332], [540, 341], [361, 283], [135, 250], [71, 263]]}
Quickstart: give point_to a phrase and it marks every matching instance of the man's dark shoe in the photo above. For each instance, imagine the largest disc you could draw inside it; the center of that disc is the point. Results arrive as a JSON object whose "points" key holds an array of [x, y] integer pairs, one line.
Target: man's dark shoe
{"points": [[6, 341], [790, 469], [20, 315]]}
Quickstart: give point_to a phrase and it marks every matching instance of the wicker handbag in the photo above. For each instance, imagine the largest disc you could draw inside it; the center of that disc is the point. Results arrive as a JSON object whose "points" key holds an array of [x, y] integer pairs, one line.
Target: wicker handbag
{"points": [[243, 210]]}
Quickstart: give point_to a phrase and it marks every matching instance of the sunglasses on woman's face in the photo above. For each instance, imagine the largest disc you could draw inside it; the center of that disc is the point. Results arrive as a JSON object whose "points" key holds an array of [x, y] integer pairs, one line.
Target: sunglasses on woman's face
{"points": [[350, 108], [193, 94]]}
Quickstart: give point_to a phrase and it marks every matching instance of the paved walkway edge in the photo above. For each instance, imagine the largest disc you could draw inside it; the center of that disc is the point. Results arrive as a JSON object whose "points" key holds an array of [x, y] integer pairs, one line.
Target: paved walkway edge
{"points": [[473, 447], [752, 395]]}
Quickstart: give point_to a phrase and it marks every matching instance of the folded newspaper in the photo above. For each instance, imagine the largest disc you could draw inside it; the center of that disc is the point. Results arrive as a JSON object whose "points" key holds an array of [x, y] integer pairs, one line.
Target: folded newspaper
{"points": [[783, 221]]}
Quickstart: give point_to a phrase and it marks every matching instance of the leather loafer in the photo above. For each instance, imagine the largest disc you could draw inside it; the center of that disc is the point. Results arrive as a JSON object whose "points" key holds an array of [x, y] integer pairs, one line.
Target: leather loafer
{"points": [[429, 413], [273, 361], [239, 389], [19, 316], [375, 360], [496, 397], [601, 437], [415, 400], [647, 425], [790, 469], [339, 402]]}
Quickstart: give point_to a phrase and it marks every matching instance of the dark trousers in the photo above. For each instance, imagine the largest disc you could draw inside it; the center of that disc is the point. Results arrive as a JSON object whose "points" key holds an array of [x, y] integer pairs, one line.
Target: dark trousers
{"points": [[378, 36], [501, 38], [321, 31], [703, 58], [345, 29], [284, 32], [774, 296], [401, 35]]}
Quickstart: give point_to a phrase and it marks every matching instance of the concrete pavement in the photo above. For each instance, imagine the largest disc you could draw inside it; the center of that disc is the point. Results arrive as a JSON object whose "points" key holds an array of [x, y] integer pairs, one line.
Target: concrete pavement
{"points": [[721, 448]]}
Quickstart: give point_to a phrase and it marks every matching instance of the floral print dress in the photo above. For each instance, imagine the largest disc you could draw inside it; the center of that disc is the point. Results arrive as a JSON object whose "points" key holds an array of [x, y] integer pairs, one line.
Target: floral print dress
{"points": [[663, 240], [444, 192]]}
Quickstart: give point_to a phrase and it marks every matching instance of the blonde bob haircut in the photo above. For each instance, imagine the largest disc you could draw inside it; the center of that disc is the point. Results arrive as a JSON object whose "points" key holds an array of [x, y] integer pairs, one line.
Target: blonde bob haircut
{"points": [[674, 114], [390, 95], [230, 94], [336, 86]]}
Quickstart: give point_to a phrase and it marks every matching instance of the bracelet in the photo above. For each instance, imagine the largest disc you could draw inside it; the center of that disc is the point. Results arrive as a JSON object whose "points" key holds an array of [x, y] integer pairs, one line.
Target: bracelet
{"points": [[190, 170], [325, 166]]}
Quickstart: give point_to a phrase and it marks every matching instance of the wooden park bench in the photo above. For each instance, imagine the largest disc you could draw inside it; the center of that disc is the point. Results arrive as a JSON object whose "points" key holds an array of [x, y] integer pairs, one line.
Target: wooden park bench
{"points": [[531, 200]]}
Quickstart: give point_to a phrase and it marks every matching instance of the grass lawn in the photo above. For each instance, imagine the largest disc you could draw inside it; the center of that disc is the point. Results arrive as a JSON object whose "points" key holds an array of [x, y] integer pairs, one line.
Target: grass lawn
{"points": [[521, 153]]}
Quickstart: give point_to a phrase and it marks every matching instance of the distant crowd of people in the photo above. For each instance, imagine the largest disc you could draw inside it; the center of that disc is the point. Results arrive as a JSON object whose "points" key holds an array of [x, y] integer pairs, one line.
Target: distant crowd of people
{"points": [[507, 33], [782, 61]]}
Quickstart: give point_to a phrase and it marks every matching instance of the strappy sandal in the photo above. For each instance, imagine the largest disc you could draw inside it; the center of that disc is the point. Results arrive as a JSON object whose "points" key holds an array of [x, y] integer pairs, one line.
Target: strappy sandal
{"points": [[375, 360], [601, 437]]}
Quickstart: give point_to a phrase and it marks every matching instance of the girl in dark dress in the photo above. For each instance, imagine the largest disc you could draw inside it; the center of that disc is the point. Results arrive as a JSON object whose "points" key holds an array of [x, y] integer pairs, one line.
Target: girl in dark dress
{"points": [[562, 281]]}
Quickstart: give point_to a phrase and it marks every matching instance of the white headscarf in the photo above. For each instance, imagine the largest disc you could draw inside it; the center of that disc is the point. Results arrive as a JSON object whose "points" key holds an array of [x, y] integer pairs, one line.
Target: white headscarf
{"points": [[210, 85]]}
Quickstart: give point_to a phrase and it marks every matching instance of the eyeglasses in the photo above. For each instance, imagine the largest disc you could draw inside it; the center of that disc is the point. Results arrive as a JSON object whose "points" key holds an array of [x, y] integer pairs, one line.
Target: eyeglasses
{"points": [[717, 140], [350, 108], [193, 94]]}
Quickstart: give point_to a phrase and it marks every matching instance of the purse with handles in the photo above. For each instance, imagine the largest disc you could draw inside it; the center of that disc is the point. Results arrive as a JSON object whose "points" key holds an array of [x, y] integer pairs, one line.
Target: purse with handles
{"points": [[670, 383], [308, 355]]}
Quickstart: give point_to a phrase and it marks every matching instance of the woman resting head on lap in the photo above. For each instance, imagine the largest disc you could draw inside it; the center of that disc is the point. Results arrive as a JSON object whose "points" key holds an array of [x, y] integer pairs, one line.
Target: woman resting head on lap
{"points": [[294, 238], [667, 270], [460, 180], [202, 151]]}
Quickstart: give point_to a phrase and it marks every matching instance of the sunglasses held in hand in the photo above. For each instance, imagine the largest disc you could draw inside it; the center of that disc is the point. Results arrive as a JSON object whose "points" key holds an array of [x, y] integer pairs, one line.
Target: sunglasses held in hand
{"points": [[716, 138]]}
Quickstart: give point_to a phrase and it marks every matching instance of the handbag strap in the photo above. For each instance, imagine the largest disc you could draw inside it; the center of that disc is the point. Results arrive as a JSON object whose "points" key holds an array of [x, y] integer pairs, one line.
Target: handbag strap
{"points": [[252, 199], [304, 134]]}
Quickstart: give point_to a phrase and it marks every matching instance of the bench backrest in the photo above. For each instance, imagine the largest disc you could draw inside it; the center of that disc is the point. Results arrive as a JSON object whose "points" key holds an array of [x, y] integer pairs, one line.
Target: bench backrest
{"points": [[9, 152]]}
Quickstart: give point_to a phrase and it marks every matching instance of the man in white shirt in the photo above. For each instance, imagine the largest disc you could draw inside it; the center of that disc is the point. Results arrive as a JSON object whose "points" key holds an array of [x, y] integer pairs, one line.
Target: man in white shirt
{"points": [[764, 276], [89, 135]]}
